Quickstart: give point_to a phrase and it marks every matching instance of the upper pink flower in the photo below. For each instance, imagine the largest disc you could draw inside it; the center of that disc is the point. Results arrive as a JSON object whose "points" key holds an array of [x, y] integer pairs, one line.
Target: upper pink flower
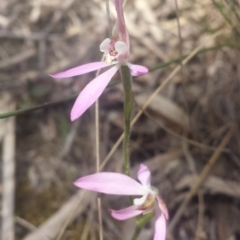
{"points": [[120, 184], [116, 52]]}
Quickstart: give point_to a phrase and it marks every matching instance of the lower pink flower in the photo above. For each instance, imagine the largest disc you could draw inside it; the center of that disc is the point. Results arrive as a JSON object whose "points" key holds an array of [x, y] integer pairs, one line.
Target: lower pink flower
{"points": [[120, 184]]}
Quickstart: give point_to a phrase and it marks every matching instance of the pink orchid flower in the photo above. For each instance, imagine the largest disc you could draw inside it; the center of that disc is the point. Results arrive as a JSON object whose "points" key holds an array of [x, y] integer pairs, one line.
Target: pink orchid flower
{"points": [[120, 184], [116, 53]]}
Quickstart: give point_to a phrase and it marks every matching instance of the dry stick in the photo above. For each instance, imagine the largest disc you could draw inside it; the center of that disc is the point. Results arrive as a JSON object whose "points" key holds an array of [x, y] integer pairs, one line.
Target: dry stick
{"points": [[154, 94], [185, 144], [29, 226], [87, 227], [8, 181], [97, 135], [98, 168], [200, 179], [192, 166], [97, 138], [181, 56], [185, 147], [180, 137], [68, 220], [200, 221], [69, 217], [60, 220], [24, 223]]}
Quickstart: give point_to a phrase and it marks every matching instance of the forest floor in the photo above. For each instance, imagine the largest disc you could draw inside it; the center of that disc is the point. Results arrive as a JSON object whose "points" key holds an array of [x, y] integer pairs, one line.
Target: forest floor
{"points": [[188, 135]]}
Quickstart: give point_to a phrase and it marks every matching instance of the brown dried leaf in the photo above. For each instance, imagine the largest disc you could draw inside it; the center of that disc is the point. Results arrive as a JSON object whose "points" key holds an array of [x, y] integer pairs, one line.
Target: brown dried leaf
{"points": [[165, 110]]}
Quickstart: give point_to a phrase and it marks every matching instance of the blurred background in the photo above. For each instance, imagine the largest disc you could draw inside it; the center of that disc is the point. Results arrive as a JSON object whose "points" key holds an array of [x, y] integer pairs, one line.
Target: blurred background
{"points": [[190, 125]]}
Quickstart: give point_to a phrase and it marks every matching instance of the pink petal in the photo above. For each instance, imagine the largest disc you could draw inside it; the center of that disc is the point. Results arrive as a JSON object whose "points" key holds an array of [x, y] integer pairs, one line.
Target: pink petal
{"points": [[137, 70], [121, 26], [162, 206], [144, 175], [110, 183], [160, 227], [86, 68], [104, 45], [121, 48], [126, 213], [91, 93]]}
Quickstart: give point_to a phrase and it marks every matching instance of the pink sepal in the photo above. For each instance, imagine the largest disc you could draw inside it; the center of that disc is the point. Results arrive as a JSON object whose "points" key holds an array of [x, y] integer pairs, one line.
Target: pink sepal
{"points": [[91, 93], [121, 26], [126, 213], [82, 69], [110, 183], [144, 175], [160, 226], [137, 70], [162, 206]]}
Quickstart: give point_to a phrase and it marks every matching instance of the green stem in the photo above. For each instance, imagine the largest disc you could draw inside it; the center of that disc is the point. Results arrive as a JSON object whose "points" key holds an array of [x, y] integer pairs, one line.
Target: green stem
{"points": [[38, 107], [140, 224], [136, 233], [44, 105], [128, 107]]}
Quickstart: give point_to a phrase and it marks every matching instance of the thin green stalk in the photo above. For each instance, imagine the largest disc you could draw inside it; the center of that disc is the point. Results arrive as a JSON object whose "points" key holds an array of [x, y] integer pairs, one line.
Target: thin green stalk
{"points": [[44, 105], [140, 224], [128, 107], [38, 107], [136, 233], [177, 60], [220, 7]]}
